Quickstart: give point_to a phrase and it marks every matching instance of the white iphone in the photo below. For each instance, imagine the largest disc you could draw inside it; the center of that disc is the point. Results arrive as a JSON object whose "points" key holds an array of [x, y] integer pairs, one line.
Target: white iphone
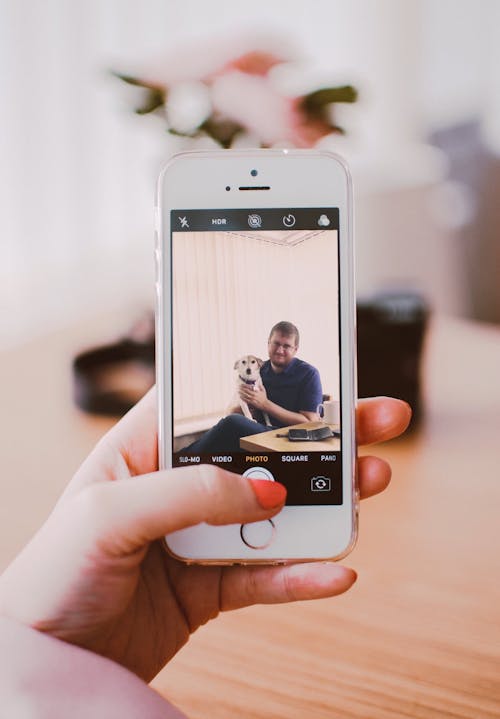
{"points": [[256, 340]]}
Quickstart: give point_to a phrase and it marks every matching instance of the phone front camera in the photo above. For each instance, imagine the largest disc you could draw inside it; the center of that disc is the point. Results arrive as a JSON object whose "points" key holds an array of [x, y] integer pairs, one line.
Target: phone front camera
{"points": [[227, 188], [254, 173]]}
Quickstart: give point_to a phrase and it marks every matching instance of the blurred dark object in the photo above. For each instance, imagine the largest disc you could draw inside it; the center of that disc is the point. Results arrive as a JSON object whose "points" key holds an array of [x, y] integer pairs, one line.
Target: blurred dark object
{"points": [[477, 168], [391, 330], [109, 380]]}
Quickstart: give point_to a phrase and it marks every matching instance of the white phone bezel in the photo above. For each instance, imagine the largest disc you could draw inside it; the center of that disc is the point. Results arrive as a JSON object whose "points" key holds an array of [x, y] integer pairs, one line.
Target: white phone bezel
{"points": [[297, 178]]}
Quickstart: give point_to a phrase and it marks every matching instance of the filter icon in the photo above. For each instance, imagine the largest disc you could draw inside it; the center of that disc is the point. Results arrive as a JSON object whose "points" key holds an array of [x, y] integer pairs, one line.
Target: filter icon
{"points": [[254, 221]]}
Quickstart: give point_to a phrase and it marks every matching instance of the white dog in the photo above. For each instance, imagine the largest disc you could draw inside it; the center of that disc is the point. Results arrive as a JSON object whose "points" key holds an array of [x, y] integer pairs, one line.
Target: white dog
{"points": [[248, 373]]}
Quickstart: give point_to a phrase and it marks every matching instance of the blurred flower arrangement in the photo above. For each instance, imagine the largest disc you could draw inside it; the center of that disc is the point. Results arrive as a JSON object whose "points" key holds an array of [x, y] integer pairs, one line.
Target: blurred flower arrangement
{"points": [[227, 99]]}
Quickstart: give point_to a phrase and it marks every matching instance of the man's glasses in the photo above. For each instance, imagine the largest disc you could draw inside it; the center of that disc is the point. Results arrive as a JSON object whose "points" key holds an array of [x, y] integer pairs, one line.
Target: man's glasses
{"points": [[277, 345]]}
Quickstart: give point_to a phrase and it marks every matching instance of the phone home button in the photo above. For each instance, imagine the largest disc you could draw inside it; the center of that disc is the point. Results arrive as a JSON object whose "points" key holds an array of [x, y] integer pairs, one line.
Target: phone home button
{"points": [[258, 535]]}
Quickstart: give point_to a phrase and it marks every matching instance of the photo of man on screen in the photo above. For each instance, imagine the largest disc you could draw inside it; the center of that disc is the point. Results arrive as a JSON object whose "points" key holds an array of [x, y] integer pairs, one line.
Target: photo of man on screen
{"points": [[289, 394]]}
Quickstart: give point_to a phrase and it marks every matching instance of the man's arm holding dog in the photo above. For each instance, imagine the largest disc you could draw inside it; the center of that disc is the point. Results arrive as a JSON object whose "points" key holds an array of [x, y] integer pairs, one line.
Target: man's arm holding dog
{"points": [[258, 398]]}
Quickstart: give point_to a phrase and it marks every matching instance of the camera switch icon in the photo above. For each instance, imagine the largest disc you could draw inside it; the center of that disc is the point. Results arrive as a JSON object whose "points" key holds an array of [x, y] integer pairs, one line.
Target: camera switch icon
{"points": [[321, 484]]}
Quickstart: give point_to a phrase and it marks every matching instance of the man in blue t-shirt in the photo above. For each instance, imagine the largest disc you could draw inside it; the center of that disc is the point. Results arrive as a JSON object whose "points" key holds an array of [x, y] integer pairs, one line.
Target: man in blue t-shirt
{"points": [[292, 388], [290, 395]]}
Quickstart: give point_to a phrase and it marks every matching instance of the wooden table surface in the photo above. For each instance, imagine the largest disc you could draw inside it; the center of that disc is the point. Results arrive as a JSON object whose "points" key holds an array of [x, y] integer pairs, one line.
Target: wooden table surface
{"points": [[417, 636], [273, 442]]}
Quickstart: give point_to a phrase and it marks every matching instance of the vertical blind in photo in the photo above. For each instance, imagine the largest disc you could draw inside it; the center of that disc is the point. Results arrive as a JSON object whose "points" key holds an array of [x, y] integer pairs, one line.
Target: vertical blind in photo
{"points": [[229, 289]]}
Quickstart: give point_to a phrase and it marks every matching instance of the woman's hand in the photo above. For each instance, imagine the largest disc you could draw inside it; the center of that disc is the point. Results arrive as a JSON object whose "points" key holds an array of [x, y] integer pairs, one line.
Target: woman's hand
{"points": [[94, 575]]}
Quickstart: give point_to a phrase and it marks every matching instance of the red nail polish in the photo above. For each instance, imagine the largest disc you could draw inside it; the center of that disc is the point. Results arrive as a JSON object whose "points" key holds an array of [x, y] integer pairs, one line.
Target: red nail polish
{"points": [[268, 494]]}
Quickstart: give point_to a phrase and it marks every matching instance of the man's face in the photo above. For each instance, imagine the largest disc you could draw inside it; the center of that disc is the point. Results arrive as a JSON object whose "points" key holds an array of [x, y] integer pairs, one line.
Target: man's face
{"points": [[281, 349]]}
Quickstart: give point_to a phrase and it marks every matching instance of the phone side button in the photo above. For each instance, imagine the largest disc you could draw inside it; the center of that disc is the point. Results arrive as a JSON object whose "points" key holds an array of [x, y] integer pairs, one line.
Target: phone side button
{"points": [[258, 535]]}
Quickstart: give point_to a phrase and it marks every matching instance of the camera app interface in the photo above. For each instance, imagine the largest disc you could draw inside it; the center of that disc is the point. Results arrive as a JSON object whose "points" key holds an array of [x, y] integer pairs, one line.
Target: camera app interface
{"points": [[256, 360]]}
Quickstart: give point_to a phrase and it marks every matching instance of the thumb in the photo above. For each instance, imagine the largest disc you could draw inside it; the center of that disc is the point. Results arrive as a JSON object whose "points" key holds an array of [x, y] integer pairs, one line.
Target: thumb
{"points": [[128, 514]]}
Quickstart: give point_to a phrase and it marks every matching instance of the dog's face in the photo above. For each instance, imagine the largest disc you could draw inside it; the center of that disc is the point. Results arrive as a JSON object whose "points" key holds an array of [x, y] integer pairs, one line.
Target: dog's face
{"points": [[248, 367]]}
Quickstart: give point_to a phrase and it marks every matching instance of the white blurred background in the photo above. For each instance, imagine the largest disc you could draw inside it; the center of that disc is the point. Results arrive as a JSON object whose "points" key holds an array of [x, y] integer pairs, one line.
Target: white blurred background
{"points": [[78, 168]]}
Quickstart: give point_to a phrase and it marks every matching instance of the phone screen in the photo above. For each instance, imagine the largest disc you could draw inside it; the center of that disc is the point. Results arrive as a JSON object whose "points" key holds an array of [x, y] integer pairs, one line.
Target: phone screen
{"points": [[256, 344]]}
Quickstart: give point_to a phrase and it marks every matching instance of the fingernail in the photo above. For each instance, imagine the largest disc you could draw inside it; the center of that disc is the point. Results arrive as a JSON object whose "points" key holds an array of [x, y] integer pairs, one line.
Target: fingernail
{"points": [[349, 574], [268, 494]]}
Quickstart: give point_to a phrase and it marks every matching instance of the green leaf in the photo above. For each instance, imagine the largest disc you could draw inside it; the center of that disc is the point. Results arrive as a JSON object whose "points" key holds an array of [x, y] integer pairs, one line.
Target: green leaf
{"points": [[178, 133], [152, 101], [327, 95], [129, 79], [221, 130], [137, 82]]}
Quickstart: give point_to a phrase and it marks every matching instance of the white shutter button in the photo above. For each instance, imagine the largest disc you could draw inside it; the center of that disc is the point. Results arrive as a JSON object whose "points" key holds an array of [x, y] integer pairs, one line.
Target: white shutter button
{"points": [[258, 473]]}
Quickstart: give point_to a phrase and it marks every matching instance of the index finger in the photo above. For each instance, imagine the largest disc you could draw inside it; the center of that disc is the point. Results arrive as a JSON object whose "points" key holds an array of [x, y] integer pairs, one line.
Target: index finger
{"points": [[381, 418], [377, 420]]}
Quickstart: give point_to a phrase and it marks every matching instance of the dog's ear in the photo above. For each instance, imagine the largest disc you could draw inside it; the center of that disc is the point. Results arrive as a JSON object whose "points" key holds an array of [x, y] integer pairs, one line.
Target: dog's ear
{"points": [[236, 364], [260, 362]]}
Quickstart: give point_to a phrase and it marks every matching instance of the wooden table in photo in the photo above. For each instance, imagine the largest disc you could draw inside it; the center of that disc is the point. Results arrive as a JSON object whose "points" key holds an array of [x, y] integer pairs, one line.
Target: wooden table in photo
{"points": [[271, 442], [418, 635]]}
